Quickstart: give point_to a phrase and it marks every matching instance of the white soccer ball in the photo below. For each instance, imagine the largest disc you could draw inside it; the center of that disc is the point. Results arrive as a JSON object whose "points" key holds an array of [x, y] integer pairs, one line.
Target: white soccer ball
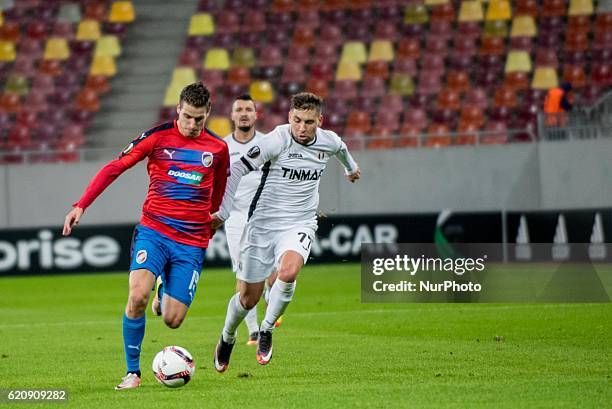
{"points": [[173, 366]]}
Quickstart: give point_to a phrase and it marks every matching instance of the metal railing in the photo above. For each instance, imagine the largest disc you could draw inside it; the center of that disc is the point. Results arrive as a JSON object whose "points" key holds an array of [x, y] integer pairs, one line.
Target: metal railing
{"points": [[55, 156], [438, 140], [585, 122]]}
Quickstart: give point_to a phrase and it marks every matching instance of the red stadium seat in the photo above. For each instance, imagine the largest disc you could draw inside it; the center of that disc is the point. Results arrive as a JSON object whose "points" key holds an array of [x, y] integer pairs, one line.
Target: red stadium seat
{"points": [[331, 35], [317, 86], [473, 114], [553, 8], [378, 69], [438, 136], [495, 133], [373, 87], [416, 117], [345, 89], [409, 137], [304, 35], [458, 81]]}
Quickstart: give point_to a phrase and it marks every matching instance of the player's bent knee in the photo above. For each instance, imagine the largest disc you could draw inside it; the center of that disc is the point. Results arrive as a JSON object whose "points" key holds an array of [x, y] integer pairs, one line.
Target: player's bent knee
{"points": [[291, 263], [288, 274], [173, 322], [137, 301], [249, 302]]}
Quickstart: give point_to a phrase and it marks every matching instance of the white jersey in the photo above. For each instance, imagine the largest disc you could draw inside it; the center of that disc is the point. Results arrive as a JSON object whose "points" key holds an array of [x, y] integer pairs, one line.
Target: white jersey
{"points": [[248, 184], [288, 193]]}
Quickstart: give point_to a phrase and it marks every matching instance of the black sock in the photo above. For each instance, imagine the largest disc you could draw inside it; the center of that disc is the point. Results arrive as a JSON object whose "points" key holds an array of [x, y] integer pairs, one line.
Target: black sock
{"points": [[136, 372]]}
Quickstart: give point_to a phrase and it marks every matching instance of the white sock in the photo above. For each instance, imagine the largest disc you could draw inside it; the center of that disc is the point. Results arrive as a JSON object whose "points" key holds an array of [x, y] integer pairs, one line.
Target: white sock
{"points": [[281, 294], [266, 294], [235, 314], [251, 320]]}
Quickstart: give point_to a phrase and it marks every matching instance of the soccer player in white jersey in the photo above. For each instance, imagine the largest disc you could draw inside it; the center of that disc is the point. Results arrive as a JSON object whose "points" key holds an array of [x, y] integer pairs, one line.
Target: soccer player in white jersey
{"points": [[244, 137], [282, 218]]}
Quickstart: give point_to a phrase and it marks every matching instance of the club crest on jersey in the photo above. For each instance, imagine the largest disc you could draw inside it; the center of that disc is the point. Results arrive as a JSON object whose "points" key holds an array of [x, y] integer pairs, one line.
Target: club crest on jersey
{"points": [[253, 152], [207, 159], [128, 148], [141, 256]]}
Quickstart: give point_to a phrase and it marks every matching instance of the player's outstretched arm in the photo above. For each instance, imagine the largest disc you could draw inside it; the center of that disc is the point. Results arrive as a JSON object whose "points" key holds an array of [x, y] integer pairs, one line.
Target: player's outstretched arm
{"points": [[353, 173], [237, 171], [73, 217]]}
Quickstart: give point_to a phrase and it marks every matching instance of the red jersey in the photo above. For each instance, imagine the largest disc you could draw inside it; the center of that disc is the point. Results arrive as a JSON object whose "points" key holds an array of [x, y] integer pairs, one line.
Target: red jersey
{"points": [[187, 181]]}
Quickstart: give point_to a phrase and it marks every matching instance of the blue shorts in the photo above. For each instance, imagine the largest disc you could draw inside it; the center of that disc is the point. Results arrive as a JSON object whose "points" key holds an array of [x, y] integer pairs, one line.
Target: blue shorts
{"points": [[179, 265]]}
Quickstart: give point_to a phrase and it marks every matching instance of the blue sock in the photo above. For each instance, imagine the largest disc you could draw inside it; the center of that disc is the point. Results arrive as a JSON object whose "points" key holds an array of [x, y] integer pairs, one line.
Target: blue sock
{"points": [[133, 333]]}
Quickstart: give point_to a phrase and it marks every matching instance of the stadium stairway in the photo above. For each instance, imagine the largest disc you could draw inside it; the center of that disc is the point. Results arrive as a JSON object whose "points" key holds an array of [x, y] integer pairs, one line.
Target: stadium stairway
{"points": [[150, 51]]}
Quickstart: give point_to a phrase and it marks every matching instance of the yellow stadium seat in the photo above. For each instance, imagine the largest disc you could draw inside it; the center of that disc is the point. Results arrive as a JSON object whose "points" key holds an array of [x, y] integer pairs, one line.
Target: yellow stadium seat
{"points": [[415, 14], [401, 84], [108, 45], [219, 125], [435, 2], [103, 65], [495, 28], [56, 49], [88, 30], [201, 24], [348, 70], [499, 10], [381, 50], [121, 12], [243, 57], [183, 76], [545, 78], [7, 51], [471, 11], [518, 61], [580, 8], [354, 51], [16, 84], [172, 96], [523, 26], [262, 91], [216, 59]]}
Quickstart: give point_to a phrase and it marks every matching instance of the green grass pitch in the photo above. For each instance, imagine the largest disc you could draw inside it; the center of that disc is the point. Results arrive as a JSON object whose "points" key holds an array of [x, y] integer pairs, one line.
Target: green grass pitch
{"points": [[332, 351]]}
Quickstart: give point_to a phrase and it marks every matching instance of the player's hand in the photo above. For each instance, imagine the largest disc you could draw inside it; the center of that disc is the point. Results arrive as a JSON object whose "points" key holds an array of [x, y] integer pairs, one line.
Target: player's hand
{"points": [[215, 221], [352, 177], [72, 218]]}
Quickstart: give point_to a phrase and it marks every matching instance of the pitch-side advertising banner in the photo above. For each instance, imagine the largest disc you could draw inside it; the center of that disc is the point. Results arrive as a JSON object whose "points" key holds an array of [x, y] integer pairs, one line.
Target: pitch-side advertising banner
{"points": [[106, 248]]}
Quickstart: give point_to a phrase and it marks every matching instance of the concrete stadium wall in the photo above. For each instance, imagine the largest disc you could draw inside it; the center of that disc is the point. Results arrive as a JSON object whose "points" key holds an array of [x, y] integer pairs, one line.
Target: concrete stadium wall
{"points": [[550, 175]]}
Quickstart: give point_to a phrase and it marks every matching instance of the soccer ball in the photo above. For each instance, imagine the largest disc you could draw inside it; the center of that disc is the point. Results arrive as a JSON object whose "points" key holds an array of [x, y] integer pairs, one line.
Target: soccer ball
{"points": [[173, 366]]}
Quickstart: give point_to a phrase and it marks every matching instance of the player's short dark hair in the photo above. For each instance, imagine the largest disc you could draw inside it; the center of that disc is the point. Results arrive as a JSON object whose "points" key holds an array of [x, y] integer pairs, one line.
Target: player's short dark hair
{"points": [[307, 101], [196, 95], [245, 97]]}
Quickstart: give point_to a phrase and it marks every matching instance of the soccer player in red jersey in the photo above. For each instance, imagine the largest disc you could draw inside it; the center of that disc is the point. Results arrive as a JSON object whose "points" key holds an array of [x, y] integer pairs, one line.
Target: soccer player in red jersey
{"points": [[188, 168]]}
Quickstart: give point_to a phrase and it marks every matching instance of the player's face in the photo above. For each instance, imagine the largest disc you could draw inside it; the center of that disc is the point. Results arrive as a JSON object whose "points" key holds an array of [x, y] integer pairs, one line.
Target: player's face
{"points": [[304, 124], [191, 119], [244, 115]]}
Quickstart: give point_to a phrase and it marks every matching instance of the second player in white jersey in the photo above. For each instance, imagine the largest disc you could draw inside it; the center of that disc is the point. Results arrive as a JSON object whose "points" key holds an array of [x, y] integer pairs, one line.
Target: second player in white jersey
{"points": [[234, 225], [244, 137]]}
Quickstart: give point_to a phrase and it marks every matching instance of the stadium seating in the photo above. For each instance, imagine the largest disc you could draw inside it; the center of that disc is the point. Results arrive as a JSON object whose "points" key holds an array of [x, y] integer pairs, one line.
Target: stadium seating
{"points": [[55, 61], [458, 66]]}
